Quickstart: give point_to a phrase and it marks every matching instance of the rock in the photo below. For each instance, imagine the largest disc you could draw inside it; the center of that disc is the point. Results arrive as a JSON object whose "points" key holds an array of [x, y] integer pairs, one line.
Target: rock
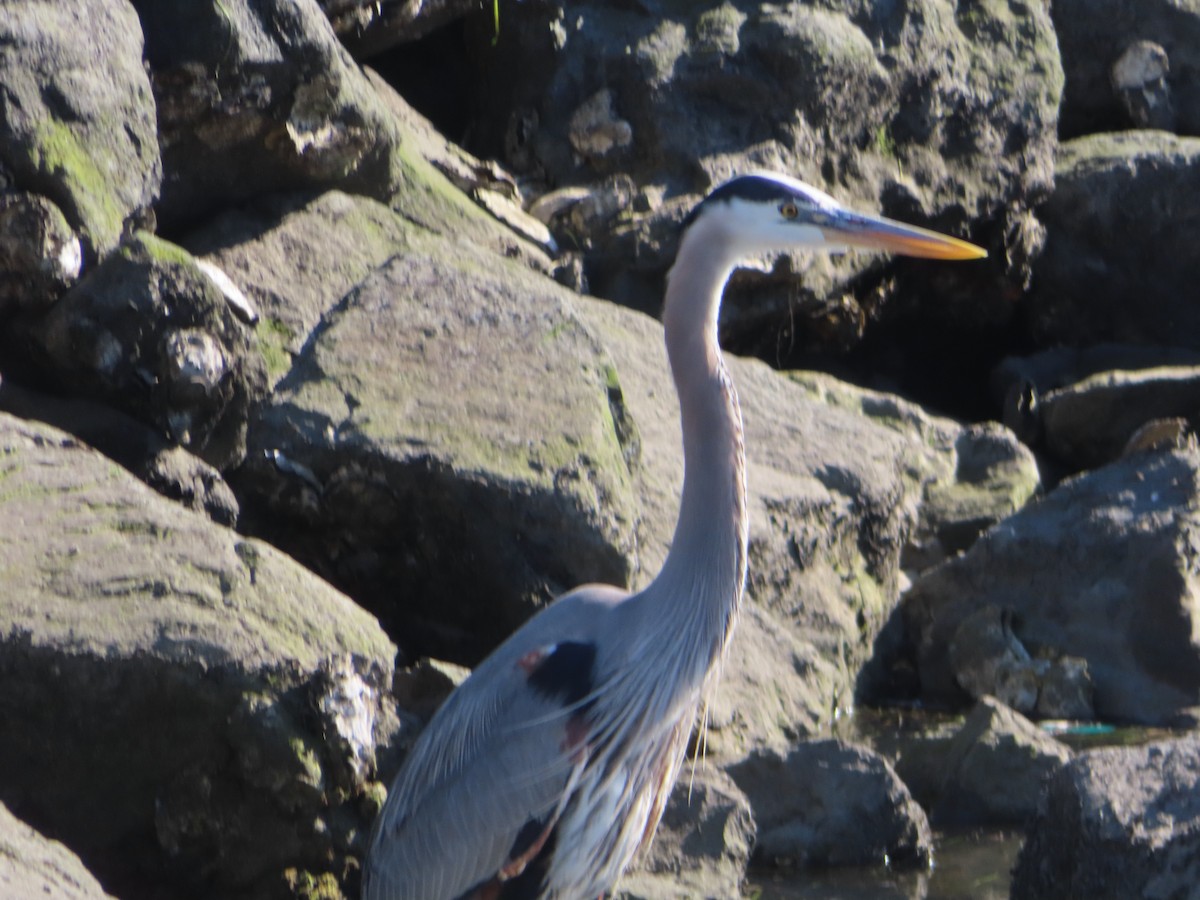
{"points": [[169, 469], [1094, 261], [77, 118], [295, 258], [828, 803], [1139, 77], [988, 659], [33, 866], [149, 332], [181, 702], [994, 476], [903, 110], [702, 845], [1100, 569], [468, 448], [256, 97], [1115, 823], [40, 255], [369, 27], [1101, 38], [1093, 421], [995, 769]]}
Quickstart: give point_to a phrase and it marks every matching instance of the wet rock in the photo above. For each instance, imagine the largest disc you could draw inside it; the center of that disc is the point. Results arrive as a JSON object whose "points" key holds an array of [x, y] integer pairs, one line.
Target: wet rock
{"points": [[1115, 823], [232, 701], [1097, 254], [1094, 421], [829, 803], [256, 97], [34, 866], [1095, 36], [40, 255], [77, 118], [150, 333], [1100, 569], [528, 479], [703, 842], [995, 768]]}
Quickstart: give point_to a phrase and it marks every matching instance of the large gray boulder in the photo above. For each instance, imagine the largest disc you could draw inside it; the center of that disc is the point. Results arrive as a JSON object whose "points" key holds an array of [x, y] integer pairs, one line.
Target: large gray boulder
{"points": [[1118, 263], [179, 701], [77, 117], [463, 447], [1116, 823], [1100, 569], [34, 866], [829, 803]]}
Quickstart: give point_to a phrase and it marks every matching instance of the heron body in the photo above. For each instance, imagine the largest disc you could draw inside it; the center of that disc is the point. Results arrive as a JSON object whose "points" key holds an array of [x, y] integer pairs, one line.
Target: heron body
{"points": [[547, 771]]}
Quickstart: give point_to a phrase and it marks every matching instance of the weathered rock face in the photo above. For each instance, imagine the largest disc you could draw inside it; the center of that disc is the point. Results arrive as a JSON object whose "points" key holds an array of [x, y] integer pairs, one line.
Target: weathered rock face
{"points": [[995, 768], [256, 96], [828, 803], [33, 866], [77, 118], [1100, 569], [464, 438], [1104, 276], [1096, 36], [1122, 822], [151, 333], [917, 107], [230, 700]]}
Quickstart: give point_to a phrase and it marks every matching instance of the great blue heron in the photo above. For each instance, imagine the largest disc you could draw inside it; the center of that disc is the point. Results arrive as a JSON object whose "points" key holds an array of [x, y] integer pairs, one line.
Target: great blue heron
{"points": [[548, 769]]}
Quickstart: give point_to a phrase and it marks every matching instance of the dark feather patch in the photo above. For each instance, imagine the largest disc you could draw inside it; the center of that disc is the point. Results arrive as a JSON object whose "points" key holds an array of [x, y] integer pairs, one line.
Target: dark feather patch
{"points": [[566, 672]]}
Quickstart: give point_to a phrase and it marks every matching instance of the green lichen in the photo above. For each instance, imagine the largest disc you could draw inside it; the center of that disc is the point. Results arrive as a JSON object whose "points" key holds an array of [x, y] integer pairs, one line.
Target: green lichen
{"points": [[274, 338], [57, 153], [151, 248]]}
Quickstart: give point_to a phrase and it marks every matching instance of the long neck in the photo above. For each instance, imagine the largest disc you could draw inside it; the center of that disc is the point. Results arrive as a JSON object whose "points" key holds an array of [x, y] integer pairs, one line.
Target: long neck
{"points": [[701, 582]]}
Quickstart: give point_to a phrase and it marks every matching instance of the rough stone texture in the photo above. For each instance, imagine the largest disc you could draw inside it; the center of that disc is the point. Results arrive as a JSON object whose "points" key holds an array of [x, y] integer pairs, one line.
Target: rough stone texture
{"points": [[995, 768], [829, 803], [144, 451], [368, 27], [77, 118], [1092, 421], [296, 257], [1117, 823], [1094, 34], [466, 450], [1102, 569], [702, 845], [1120, 225], [150, 333], [181, 705], [934, 112], [40, 255], [32, 866]]}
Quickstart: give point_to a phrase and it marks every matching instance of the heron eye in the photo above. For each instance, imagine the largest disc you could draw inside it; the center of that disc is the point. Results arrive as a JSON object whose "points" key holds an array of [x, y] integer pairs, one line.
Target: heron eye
{"points": [[789, 210]]}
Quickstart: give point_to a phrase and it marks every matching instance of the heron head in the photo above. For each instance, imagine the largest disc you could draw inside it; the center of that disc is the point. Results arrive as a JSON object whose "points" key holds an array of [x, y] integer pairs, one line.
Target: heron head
{"points": [[765, 212]]}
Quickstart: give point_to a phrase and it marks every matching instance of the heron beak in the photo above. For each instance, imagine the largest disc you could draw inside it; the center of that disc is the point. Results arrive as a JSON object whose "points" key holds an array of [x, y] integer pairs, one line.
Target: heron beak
{"points": [[877, 233]]}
